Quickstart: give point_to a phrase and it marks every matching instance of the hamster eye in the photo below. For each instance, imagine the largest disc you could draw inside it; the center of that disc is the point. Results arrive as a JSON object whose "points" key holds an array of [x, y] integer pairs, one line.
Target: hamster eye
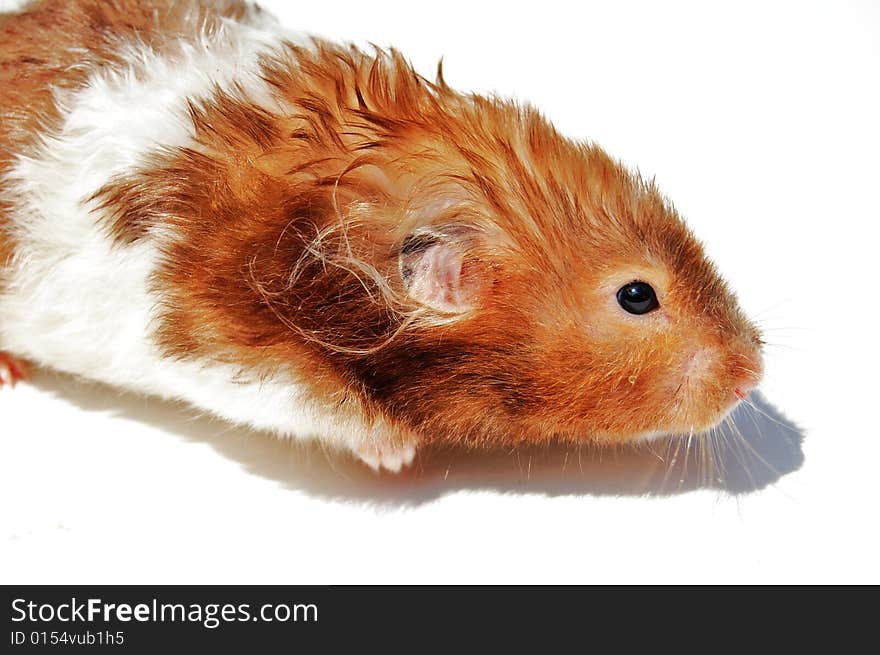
{"points": [[637, 298]]}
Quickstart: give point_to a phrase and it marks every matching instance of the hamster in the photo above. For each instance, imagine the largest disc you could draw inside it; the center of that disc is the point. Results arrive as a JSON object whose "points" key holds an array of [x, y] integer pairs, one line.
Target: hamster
{"points": [[315, 240]]}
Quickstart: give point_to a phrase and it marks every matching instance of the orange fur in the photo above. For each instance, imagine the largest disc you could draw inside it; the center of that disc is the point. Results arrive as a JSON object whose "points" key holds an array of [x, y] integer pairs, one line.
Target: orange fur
{"points": [[293, 224]]}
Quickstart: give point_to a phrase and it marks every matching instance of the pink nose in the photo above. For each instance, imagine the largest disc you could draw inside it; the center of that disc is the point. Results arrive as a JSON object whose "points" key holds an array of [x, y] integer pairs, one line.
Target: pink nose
{"points": [[744, 387]]}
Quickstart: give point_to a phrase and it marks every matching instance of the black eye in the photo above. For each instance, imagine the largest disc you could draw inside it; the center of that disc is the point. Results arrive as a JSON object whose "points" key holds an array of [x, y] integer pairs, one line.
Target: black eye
{"points": [[637, 298]]}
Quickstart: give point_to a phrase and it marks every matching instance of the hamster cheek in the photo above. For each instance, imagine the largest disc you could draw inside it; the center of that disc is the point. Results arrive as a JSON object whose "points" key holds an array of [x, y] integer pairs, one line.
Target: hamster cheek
{"points": [[699, 364], [711, 381]]}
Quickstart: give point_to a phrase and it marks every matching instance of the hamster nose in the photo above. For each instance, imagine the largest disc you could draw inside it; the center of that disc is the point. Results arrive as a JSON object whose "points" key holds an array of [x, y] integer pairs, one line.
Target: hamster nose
{"points": [[745, 383], [744, 387], [750, 368]]}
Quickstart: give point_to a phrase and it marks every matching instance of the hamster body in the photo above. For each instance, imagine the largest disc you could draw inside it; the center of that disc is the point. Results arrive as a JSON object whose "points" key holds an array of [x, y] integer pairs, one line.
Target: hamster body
{"points": [[314, 240]]}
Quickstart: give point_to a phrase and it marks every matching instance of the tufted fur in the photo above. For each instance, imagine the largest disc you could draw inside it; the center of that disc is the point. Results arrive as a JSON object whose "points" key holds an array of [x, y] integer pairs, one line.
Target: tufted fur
{"points": [[315, 239]]}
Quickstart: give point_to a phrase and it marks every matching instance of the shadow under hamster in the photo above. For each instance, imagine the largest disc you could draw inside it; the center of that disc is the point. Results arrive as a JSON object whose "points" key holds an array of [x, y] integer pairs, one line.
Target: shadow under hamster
{"points": [[756, 448]]}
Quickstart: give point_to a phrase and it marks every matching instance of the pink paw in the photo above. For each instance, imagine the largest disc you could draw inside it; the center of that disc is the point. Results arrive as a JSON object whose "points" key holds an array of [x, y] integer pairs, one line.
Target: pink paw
{"points": [[11, 370], [393, 458], [387, 448]]}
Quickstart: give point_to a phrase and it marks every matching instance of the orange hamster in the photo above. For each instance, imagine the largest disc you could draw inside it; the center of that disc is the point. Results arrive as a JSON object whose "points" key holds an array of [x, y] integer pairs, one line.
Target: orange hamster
{"points": [[315, 240]]}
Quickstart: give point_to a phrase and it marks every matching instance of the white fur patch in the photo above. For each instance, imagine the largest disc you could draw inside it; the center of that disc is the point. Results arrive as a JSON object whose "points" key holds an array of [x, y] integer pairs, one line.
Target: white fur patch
{"points": [[81, 305], [7, 6]]}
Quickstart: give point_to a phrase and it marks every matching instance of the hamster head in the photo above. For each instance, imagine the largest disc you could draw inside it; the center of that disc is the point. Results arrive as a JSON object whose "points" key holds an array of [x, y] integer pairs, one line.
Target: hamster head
{"points": [[451, 261], [558, 296]]}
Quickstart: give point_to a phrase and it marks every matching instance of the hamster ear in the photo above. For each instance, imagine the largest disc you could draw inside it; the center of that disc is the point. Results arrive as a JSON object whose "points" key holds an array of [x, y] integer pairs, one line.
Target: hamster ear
{"points": [[437, 271]]}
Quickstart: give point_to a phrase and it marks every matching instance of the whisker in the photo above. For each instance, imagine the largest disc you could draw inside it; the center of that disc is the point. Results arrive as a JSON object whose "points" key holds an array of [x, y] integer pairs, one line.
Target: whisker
{"points": [[672, 461], [720, 472], [749, 403], [687, 453], [734, 447], [751, 449]]}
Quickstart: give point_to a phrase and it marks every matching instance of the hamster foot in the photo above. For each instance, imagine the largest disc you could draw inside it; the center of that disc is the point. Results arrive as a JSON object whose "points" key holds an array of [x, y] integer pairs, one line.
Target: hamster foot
{"points": [[386, 454], [11, 370]]}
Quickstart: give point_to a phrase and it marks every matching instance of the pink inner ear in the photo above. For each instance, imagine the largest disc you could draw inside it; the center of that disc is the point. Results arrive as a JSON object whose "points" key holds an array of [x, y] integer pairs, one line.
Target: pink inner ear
{"points": [[436, 280]]}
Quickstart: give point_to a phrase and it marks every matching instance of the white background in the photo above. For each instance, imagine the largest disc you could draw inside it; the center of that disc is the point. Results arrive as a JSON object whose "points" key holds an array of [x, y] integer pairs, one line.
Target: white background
{"points": [[760, 121]]}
